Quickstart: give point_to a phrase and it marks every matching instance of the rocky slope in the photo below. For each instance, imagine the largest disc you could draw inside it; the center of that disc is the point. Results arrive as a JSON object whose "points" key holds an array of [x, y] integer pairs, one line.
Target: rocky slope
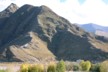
{"points": [[5, 14], [38, 34]]}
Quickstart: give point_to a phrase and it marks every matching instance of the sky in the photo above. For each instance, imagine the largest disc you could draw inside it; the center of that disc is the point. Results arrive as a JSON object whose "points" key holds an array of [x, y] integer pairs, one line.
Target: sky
{"points": [[76, 11]]}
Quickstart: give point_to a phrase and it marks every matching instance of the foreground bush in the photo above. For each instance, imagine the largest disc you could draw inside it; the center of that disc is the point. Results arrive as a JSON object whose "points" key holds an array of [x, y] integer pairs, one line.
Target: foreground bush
{"points": [[104, 66], [51, 67], [86, 65], [61, 66], [36, 68], [77, 67], [24, 68], [95, 68]]}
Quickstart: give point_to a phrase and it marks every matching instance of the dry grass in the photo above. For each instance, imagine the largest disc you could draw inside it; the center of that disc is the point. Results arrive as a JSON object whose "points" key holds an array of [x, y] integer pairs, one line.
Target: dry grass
{"points": [[36, 50], [100, 45]]}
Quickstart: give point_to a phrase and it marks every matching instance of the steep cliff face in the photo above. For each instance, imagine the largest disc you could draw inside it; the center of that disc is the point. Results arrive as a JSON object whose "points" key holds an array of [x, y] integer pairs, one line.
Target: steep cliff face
{"points": [[38, 34]]}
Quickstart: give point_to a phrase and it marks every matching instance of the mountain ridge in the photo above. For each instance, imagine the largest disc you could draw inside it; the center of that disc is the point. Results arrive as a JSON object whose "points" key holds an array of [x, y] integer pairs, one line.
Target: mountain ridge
{"points": [[38, 34]]}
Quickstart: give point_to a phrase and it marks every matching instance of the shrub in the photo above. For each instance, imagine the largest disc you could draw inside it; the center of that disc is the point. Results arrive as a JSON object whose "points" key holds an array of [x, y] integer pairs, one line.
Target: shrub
{"points": [[86, 65], [24, 68], [51, 67], [104, 66], [36, 68], [95, 68], [40, 67], [76, 67], [61, 66]]}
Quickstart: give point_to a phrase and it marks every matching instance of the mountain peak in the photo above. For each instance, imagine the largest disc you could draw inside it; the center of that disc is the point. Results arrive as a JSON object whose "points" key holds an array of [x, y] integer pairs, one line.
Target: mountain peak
{"points": [[11, 8], [37, 34], [43, 6]]}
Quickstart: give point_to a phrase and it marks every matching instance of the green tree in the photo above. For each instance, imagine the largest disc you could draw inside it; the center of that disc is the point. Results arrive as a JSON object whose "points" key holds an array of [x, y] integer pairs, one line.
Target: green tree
{"points": [[61, 66], [51, 68], [76, 67], [95, 67], [36, 68], [24, 68], [86, 65]]}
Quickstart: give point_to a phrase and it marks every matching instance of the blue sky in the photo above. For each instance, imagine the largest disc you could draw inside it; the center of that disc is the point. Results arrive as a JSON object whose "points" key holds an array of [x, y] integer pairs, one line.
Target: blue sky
{"points": [[62, 0], [81, 1], [105, 1], [76, 11]]}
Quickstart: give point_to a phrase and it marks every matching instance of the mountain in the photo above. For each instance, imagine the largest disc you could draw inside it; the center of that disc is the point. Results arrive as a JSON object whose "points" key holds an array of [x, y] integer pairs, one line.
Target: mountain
{"points": [[101, 33], [9, 10], [5, 14], [37, 34], [96, 29]]}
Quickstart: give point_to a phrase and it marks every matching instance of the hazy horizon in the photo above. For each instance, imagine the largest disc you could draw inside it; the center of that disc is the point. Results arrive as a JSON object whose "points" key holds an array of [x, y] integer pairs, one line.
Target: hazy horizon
{"points": [[76, 11]]}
